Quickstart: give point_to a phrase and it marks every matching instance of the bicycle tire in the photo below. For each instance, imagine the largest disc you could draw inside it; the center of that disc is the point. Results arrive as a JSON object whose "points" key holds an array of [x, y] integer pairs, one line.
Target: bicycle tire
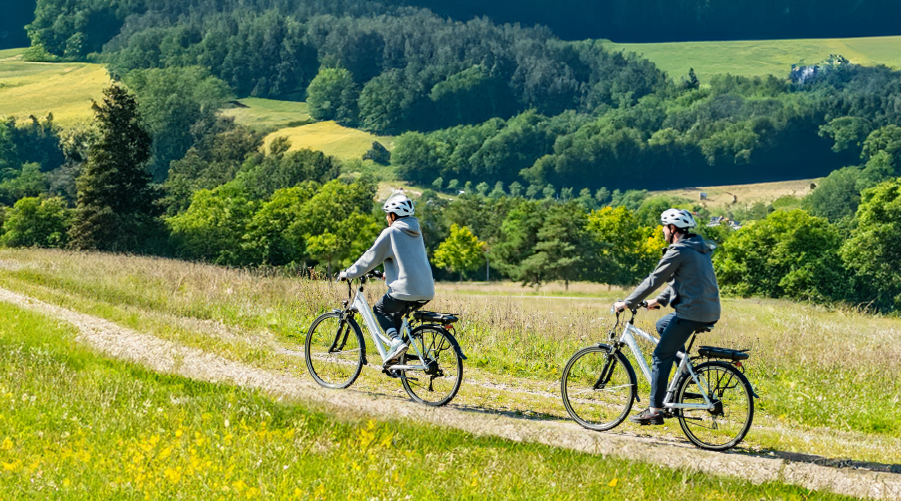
{"points": [[580, 376], [438, 346], [727, 425], [334, 363]]}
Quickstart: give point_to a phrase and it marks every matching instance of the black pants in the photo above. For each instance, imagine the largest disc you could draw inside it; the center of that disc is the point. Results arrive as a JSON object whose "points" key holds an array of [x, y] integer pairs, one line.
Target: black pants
{"points": [[390, 313], [674, 331]]}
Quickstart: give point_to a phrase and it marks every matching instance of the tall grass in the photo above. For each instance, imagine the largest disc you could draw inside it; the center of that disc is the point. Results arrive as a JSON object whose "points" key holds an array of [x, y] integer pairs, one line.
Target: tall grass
{"points": [[812, 366], [77, 426]]}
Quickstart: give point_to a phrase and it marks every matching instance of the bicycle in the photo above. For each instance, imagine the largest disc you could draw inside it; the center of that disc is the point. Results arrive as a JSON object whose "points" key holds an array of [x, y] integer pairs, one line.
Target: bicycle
{"points": [[713, 401], [335, 349]]}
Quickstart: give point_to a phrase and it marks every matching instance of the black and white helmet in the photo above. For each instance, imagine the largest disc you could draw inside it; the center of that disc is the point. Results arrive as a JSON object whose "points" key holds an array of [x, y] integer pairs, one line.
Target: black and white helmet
{"points": [[399, 204], [679, 217]]}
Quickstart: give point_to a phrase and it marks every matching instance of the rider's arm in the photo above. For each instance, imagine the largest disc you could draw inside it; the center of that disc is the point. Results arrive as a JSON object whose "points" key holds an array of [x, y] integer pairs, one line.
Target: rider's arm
{"points": [[666, 296], [665, 270], [380, 251]]}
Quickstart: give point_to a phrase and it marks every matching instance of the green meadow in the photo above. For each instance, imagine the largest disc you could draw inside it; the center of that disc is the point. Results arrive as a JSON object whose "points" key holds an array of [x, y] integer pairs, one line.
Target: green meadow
{"points": [[762, 57], [76, 425]]}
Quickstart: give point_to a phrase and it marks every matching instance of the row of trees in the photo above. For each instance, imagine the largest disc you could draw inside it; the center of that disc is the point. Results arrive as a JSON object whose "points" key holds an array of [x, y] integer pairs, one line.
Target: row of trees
{"points": [[282, 207]]}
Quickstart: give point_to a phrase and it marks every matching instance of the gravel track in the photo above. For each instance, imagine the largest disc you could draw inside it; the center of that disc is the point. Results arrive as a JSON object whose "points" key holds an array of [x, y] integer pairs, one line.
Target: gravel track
{"points": [[167, 357]]}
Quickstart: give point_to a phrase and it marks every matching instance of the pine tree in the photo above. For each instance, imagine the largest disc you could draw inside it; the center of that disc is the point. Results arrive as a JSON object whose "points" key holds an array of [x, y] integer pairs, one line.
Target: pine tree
{"points": [[116, 209]]}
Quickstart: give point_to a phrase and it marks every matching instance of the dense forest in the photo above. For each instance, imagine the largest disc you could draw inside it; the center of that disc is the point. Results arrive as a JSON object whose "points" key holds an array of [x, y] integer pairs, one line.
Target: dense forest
{"points": [[624, 20], [536, 149], [477, 101]]}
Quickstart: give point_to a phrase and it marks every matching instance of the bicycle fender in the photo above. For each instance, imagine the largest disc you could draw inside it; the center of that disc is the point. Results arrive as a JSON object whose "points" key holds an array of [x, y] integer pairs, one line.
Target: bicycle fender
{"points": [[455, 344], [628, 366], [453, 340]]}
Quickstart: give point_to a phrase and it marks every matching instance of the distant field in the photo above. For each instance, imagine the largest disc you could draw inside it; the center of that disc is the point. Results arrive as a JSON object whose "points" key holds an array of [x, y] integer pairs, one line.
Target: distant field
{"points": [[332, 139], [762, 57], [269, 113], [745, 194], [64, 89]]}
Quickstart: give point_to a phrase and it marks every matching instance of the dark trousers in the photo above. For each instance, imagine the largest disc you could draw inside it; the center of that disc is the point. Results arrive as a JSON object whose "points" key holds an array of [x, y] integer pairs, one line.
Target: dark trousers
{"points": [[674, 331], [389, 313]]}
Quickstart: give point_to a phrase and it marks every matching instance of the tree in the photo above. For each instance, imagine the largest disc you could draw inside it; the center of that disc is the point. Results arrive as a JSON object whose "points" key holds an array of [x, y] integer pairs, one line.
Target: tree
{"points": [[788, 254], [323, 247], [37, 222], [438, 184], [873, 252], [564, 250], [461, 251], [115, 210], [333, 95], [626, 250], [172, 101], [213, 226]]}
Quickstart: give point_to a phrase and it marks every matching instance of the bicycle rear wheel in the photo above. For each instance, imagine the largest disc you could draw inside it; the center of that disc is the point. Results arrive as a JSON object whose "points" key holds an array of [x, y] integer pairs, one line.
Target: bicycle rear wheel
{"points": [[598, 387], [437, 385], [727, 424], [334, 350]]}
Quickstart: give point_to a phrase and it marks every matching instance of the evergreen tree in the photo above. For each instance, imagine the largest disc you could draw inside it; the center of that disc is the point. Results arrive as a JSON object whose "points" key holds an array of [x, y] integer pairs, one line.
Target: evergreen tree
{"points": [[116, 209]]}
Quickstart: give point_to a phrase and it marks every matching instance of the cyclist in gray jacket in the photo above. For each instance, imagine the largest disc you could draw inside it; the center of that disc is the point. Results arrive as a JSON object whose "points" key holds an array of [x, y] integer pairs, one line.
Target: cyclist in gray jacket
{"points": [[401, 248], [691, 289]]}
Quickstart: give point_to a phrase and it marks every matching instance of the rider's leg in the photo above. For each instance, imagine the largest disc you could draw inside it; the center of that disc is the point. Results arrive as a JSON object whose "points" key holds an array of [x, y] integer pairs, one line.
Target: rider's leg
{"points": [[388, 314], [674, 331]]}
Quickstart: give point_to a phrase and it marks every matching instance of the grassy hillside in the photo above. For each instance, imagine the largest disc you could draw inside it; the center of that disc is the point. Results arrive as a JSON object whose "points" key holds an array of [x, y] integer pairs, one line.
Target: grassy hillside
{"points": [[744, 194], [85, 427], [800, 365], [64, 89], [332, 139], [762, 57], [269, 114]]}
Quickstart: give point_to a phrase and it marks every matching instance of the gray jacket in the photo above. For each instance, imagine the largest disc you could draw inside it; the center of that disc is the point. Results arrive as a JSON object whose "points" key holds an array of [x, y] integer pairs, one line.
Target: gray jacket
{"points": [[692, 289], [407, 271]]}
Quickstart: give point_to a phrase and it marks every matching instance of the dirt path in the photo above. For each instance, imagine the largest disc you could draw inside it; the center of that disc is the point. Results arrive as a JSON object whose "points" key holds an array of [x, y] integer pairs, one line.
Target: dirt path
{"points": [[164, 356]]}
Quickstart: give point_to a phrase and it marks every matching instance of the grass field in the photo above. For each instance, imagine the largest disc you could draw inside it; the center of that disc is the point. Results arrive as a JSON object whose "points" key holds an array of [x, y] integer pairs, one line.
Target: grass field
{"points": [[744, 194], [65, 89], [76, 425], [762, 57], [332, 139], [269, 114], [829, 380]]}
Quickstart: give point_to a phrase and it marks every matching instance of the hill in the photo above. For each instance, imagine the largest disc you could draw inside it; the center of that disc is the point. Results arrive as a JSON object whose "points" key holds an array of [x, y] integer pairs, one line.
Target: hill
{"points": [[65, 89], [744, 194], [268, 114], [762, 57], [332, 139]]}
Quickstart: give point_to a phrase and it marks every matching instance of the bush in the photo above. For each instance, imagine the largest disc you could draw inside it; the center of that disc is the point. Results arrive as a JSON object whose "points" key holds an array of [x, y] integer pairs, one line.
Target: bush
{"points": [[37, 222]]}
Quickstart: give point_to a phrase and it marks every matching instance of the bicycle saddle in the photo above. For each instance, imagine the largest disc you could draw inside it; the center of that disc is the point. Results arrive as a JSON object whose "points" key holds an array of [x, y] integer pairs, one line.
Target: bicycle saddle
{"points": [[431, 316], [706, 328]]}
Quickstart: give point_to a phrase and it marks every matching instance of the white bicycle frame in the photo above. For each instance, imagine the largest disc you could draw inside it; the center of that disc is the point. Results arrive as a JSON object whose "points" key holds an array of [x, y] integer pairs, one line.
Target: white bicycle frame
{"points": [[361, 306], [685, 367]]}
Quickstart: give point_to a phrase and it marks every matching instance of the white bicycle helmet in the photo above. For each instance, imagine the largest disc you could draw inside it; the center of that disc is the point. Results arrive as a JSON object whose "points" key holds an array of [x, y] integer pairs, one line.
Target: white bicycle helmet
{"points": [[680, 218], [399, 204]]}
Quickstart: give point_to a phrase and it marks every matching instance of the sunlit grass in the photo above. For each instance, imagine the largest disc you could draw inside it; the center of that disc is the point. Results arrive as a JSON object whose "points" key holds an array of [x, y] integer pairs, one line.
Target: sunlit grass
{"points": [[828, 374], [269, 114], [78, 426], [65, 89], [332, 139], [762, 57]]}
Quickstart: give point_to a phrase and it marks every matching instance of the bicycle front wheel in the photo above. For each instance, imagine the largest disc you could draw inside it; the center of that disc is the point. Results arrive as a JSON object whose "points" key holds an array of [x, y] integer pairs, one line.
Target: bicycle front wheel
{"points": [[727, 424], [439, 383], [334, 350], [598, 387]]}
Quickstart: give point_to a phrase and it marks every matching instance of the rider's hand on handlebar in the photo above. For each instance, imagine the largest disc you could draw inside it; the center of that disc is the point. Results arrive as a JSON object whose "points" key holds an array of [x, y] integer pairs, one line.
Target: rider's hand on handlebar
{"points": [[619, 306], [342, 276], [653, 305]]}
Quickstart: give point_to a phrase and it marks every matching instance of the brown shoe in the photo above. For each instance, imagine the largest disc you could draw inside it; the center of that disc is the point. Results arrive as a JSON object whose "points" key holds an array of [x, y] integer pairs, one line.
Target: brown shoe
{"points": [[648, 417]]}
